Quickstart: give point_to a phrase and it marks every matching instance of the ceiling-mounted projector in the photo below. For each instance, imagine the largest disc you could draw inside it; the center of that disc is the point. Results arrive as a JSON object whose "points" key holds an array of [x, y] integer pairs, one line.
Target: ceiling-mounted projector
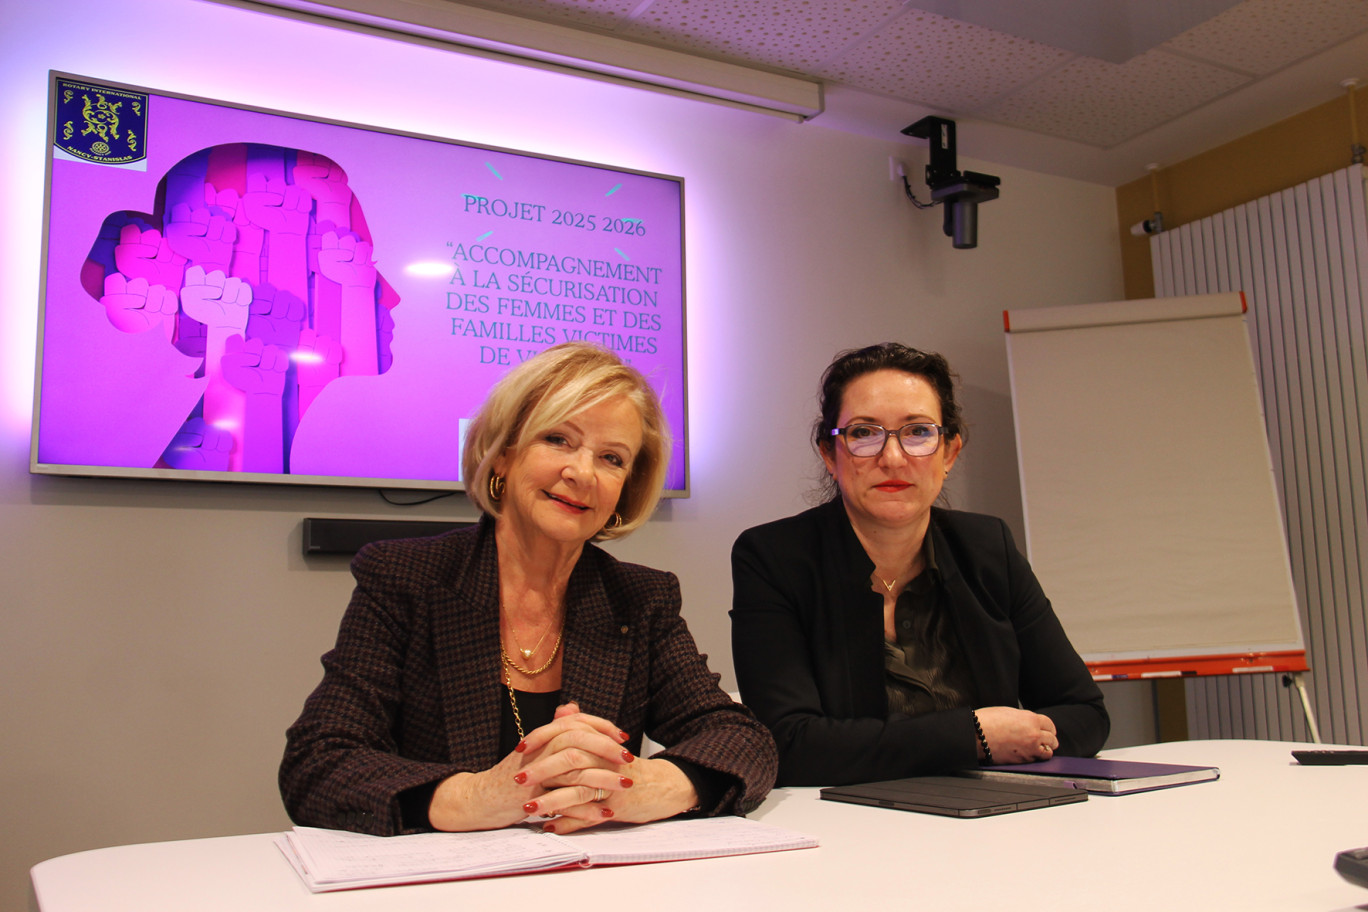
{"points": [[959, 191]]}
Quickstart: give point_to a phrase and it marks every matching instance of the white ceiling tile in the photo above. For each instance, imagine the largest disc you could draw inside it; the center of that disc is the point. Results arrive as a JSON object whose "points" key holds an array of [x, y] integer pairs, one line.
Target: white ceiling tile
{"points": [[601, 14], [1261, 36], [795, 34], [1103, 104], [942, 62], [893, 53], [1111, 30]]}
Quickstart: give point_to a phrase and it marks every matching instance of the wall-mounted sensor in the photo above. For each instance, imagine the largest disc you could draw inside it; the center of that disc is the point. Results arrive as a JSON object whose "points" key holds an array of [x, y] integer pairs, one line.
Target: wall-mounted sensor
{"points": [[1152, 225]]}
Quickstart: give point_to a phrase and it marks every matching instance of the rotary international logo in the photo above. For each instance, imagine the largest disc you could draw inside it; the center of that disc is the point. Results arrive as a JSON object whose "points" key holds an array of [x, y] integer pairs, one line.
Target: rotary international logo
{"points": [[100, 124]]}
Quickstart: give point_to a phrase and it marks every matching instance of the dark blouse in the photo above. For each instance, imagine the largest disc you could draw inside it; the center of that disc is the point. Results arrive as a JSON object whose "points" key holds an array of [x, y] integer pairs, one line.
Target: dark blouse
{"points": [[926, 667]]}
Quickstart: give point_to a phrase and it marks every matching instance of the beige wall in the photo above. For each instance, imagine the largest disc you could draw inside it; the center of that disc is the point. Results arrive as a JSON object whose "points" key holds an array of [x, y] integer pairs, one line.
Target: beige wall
{"points": [[157, 637], [1288, 153]]}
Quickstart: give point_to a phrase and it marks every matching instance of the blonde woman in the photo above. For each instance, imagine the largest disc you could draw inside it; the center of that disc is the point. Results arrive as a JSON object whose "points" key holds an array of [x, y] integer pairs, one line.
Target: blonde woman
{"points": [[510, 669]]}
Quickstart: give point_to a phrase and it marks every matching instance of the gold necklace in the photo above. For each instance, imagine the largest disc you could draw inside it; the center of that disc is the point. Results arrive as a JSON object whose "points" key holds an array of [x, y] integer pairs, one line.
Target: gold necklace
{"points": [[533, 672], [527, 653], [508, 681], [509, 664], [886, 584]]}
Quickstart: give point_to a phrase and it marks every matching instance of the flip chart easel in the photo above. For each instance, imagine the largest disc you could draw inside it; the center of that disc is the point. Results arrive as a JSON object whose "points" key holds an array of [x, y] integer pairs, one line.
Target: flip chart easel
{"points": [[1152, 516]]}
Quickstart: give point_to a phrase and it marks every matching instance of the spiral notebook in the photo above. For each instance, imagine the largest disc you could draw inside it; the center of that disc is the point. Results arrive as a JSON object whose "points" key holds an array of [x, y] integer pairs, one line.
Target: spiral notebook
{"points": [[1094, 774], [329, 860]]}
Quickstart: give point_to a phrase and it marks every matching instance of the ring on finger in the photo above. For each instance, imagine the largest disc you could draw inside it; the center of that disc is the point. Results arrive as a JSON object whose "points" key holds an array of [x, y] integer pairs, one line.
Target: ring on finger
{"points": [[600, 794]]}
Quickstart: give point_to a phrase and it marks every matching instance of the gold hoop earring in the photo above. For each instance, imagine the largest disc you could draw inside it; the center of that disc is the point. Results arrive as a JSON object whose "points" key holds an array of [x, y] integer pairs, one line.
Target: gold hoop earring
{"points": [[614, 522], [496, 488]]}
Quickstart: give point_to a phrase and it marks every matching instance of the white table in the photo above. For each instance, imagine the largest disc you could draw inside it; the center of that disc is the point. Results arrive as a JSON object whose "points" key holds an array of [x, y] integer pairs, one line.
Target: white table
{"points": [[1263, 837]]}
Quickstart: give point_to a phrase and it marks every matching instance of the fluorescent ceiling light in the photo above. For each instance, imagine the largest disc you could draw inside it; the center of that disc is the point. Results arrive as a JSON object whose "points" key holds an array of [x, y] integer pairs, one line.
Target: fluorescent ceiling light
{"points": [[544, 43]]}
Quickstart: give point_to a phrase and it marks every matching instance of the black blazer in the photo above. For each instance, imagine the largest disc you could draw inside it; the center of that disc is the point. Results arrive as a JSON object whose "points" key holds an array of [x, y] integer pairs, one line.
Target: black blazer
{"points": [[807, 643], [412, 693]]}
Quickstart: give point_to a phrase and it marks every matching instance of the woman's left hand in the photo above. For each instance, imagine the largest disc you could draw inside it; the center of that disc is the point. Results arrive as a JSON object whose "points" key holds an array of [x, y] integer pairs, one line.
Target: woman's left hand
{"points": [[653, 790], [1017, 735]]}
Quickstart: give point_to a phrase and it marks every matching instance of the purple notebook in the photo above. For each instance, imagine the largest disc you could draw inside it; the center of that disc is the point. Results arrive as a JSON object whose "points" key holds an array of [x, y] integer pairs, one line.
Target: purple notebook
{"points": [[1106, 777]]}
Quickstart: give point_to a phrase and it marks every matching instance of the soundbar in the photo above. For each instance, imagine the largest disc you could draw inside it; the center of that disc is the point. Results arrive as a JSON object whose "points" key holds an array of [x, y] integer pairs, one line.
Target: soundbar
{"points": [[347, 536]]}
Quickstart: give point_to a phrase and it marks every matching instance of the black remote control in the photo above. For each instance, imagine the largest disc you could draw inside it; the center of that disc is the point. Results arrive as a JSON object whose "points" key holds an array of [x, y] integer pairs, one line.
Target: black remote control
{"points": [[1330, 757], [1352, 865]]}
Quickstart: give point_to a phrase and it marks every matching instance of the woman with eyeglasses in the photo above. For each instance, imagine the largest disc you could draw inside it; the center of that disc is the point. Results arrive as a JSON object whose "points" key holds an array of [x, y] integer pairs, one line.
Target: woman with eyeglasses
{"points": [[510, 669], [880, 636]]}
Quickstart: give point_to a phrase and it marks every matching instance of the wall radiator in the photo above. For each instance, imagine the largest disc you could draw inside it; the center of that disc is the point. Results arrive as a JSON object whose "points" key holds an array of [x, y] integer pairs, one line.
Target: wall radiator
{"points": [[1301, 258]]}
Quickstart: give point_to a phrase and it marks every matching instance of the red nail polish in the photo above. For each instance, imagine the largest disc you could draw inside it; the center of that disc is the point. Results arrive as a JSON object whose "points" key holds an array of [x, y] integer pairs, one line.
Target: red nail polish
{"points": [[549, 828], [530, 807], [520, 778], [605, 812], [623, 736], [627, 756], [522, 746], [625, 782]]}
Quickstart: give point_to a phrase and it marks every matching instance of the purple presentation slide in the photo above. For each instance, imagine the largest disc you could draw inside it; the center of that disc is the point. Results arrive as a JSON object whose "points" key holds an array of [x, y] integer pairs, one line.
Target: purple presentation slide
{"points": [[234, 294]]}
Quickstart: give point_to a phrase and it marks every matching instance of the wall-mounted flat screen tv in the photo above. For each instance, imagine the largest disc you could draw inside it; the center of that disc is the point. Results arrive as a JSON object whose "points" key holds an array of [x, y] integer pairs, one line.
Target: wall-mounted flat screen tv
{"points": [[235, 294]]}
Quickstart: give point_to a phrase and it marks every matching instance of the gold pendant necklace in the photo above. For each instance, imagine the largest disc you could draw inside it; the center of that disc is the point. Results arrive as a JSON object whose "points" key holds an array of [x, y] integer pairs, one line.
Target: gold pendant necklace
{"points": [[526, 653], [886, 584], [533, 672], [509, 664]]}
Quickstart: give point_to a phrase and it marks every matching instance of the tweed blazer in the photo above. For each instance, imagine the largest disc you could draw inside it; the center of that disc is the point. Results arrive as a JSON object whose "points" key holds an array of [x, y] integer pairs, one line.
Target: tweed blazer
{"points": [[808, 645], [412, 693]]}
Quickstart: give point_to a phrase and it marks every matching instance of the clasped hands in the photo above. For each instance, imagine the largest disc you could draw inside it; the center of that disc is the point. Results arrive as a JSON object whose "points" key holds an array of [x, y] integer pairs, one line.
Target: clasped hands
{"points": [[1017, 735], [559, 771]]}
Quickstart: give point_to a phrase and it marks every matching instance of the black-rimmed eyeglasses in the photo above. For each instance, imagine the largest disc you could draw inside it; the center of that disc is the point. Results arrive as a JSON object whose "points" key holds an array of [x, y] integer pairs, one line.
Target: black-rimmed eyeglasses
{"points": [[869, 439]]}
